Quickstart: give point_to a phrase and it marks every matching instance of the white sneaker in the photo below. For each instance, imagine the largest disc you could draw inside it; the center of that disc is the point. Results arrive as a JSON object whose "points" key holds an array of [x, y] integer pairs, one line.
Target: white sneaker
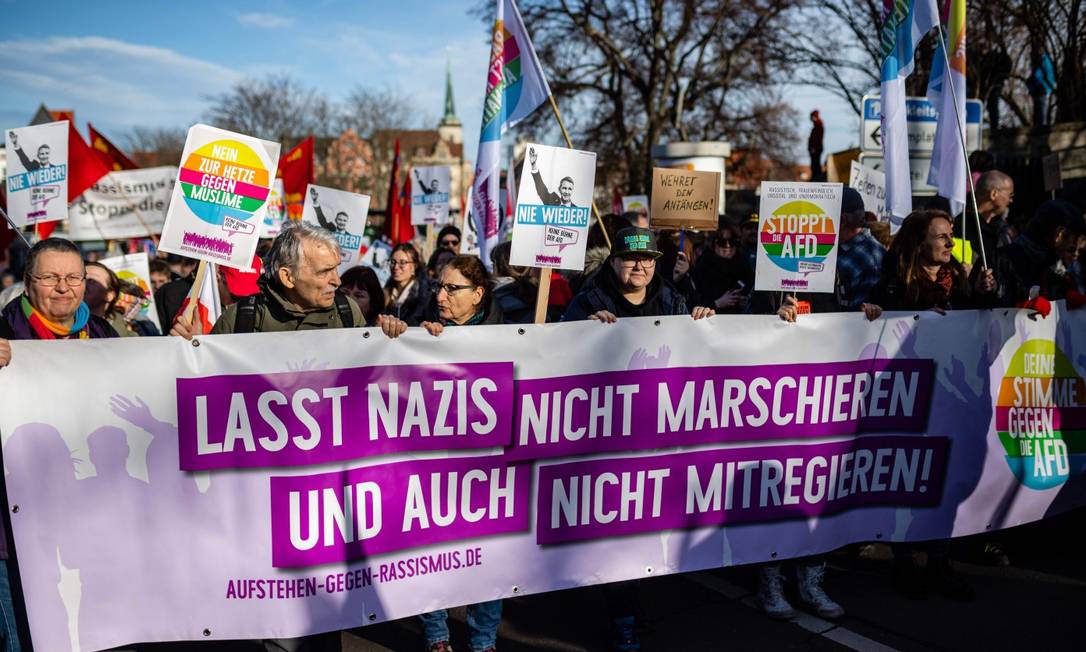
{"points": [[809, 585], [771, 593]]}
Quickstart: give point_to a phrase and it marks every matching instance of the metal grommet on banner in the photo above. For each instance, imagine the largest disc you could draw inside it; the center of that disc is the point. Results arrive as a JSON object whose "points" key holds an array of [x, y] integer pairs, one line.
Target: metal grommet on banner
{"points": [[878, 535], [773, 555], [916, 317], [656, 323], [520, 331], [516, 589], [365, 335], [648, 570], [373, 616], [195, 342], [207, 632], [14, 509], [988, 527]]}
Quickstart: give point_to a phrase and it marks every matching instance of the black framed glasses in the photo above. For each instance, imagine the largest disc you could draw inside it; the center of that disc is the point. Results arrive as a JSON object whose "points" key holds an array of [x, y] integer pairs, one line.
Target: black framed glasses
{"points": [[451, 288], [727, 242], [450, 243]]}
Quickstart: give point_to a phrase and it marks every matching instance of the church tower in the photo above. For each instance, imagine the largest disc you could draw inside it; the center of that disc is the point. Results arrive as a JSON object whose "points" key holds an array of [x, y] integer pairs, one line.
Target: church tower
{"points": [[450, 129]]}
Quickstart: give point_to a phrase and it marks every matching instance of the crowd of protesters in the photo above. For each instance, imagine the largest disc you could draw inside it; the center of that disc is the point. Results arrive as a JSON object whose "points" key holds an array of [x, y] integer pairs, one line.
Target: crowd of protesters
{"points": [[630, 271]]}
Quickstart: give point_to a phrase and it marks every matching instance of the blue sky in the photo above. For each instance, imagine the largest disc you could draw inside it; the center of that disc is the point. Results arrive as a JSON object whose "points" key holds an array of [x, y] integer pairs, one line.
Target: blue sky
{"points": [[125, 64]]}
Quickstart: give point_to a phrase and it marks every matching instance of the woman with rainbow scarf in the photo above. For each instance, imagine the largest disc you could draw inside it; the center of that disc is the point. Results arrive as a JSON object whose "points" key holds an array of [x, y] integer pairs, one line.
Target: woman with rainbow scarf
{"points": [[52, 307]]}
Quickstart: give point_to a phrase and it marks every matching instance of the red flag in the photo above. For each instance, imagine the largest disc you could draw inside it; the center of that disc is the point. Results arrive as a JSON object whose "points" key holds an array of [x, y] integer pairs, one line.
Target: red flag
{"points": [[397, 216], [296, 171], [84, 168], [110, 155], [616, 201]]}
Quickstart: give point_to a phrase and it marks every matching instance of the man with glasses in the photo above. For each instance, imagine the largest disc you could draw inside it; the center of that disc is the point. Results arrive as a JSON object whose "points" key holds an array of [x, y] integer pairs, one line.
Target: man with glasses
{"points": [[52, 307], [449, 238]]}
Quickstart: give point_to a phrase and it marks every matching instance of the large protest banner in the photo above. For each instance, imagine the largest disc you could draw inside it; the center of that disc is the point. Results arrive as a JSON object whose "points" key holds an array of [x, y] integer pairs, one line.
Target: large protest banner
{"points": [[217, 209], [332, 480], [113, 208], [430, 195], [344, 215], [37, 183], [554, 203], [797, 236]]}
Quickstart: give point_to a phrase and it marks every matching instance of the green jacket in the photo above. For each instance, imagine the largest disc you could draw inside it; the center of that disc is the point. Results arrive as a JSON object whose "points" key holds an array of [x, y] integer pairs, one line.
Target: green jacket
{"points": [[276, 314]]}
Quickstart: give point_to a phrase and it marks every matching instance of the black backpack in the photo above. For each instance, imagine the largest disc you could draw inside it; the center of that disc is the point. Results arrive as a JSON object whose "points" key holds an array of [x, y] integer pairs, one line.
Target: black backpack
{"points": [[246, 317]]}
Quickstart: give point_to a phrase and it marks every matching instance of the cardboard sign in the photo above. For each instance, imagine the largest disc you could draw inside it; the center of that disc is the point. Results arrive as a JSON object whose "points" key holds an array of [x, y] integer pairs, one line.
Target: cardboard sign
{"points": [[344, 214], [123, 204], [871, 184], [430, 195], [797, 236], [223, 186], [685, 199], [37, 175], [554, 204]]}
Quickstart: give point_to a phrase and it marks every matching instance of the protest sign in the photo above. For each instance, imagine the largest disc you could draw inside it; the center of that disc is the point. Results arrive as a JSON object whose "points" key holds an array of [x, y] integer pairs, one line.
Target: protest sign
{"points": [[217, 209], [797, 236], [554, 203], [1053, 174], [37, 173], [430, 195], [277, 211], [344, 214], [113, 207], [685, 199], [636, 204], [135, 268], [347, 482], [871, 184]]}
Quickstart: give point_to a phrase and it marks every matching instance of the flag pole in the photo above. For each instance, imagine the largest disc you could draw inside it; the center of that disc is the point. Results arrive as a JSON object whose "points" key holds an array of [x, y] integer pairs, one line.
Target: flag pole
{"points": [[194, 293], [569, 144], [965, 152], [15, 228]]}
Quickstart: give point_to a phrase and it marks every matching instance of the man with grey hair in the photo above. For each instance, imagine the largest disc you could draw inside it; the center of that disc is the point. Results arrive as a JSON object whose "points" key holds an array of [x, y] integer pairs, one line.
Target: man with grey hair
{"points": [[995, 194], [298, 291]]}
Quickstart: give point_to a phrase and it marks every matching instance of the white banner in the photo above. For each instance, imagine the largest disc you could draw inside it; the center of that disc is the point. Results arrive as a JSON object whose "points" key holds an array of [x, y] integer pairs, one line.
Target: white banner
{"points": [[430, 195], [332, 480], [554, 204], [344, 214], [135, 268], [797, 236], [112, 208], [223, 185], [37, 173]]}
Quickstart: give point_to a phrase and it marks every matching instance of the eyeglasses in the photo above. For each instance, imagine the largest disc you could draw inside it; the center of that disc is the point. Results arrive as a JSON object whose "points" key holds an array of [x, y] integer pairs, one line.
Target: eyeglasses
{"points": [[451, 288], [52, 280], [630, 263], [400, 263], [727, 242], [449, 243]]}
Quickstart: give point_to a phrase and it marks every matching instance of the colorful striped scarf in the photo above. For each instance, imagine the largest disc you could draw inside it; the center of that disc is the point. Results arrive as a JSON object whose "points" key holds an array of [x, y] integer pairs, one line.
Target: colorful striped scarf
{"points": [[47, 330]]}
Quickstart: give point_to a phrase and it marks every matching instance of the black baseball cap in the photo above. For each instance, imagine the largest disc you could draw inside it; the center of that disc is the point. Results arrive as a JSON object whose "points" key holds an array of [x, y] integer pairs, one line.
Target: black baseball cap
{"points": [[635, 240]]}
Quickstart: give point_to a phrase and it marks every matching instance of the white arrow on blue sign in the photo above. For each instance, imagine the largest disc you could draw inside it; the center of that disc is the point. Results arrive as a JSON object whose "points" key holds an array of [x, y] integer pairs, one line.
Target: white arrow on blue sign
{"points": [[921, 116]]}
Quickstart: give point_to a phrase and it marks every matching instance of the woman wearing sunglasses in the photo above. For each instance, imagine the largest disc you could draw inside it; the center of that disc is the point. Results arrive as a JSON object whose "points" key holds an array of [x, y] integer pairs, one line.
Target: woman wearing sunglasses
{"points": [[722, 276]]}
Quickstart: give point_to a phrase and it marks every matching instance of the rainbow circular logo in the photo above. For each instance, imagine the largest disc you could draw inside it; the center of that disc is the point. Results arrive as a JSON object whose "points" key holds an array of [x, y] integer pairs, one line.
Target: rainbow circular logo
{"points": [[798, 236], [224, 179], [1041, 416]]}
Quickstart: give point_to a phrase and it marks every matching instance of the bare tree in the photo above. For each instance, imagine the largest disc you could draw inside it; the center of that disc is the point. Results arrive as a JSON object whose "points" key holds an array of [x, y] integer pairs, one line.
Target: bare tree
{"points": [[151, 146], [620, 68], [368, 110], [277, 108]]}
